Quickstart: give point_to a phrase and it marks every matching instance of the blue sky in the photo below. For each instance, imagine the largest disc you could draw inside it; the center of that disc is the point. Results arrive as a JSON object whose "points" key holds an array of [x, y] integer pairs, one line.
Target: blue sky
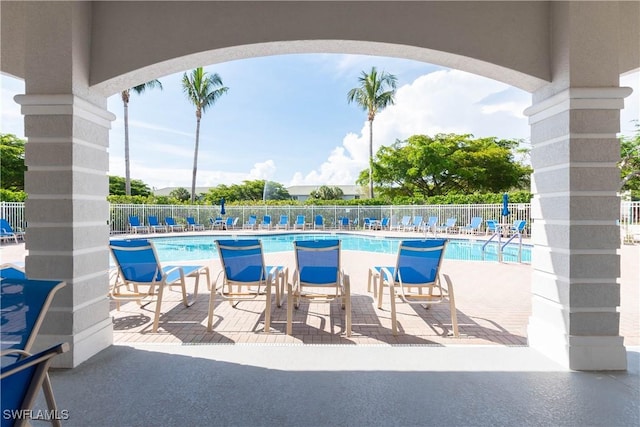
{"points": [[286, 119]]}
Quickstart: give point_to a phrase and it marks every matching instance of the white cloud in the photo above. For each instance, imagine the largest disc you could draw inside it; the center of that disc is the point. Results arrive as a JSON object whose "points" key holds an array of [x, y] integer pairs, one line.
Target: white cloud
{"points": [[446, 101], [263, 170]]}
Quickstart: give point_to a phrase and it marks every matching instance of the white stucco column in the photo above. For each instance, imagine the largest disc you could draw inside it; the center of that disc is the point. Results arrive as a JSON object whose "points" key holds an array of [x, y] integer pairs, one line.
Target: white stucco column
{"points": [[576, 265], [67, 130]]}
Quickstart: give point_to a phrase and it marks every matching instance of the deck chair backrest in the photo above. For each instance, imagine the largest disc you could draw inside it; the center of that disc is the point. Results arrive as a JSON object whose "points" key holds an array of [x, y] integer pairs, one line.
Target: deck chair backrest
{"points": [[11, 271], [417, 220], [406, 220], [252, 219], [229, 222], [284, 219], [242, 260], [170, 221], [24, 378], [519, 225], [384, 222], [419, 261], [318, 262], [5, 226], [134, 221], [153, 220], [433, 221], [475, 222], [191, 220], [319, 220], [300, 220], [344, 221], [136, 260], [266, 219], [23, 306], [451, 222]]}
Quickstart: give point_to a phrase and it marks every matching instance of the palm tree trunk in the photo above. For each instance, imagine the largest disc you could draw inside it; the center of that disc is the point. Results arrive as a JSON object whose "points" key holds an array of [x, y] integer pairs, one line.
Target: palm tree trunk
{"points": [[195, 160], [127, 174], [371, 159]]}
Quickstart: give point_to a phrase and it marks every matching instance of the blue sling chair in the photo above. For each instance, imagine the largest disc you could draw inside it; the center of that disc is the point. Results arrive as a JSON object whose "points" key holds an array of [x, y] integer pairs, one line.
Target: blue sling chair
{"points": [[23, 307], [243, 266], [138, 266], [415, 279], [318, 278]]}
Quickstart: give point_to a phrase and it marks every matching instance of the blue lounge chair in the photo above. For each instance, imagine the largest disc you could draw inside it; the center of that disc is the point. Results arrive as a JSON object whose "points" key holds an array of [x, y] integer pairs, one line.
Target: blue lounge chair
{"points": [[518, 227], [243, 266], [230, 223], [284, 222], [416, 225], [138, 266], [7, 232], [448, 226], [384, 223], [343, 223], [135, 226], [217, 224], [318, 222], [492, 226], [300, 222], [415, 279], [252, 223], [193, 225], [431, 224], [11, 271], [23, 307], [172, 225], [473, 227], [318, 277], [266, 222], [155, 226], [21, 382], [404, 222]]}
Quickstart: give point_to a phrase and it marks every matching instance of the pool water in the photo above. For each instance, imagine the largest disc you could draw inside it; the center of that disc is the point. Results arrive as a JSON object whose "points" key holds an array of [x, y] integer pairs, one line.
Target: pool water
{"points": [[203, 247]]}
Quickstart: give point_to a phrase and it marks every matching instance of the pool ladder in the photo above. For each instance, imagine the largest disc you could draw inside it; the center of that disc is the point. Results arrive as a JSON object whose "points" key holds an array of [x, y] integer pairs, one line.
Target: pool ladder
{"points": [[501, 245]]}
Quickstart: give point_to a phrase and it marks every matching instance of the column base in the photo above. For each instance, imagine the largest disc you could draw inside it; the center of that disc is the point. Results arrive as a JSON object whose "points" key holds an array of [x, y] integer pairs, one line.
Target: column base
{"points": [[84, 344], [578, 353]]}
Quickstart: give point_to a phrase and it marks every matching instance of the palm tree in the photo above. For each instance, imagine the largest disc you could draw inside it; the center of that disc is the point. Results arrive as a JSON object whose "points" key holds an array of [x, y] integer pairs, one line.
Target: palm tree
{"points": [[376, 91], [203, 90], [125, 100]]}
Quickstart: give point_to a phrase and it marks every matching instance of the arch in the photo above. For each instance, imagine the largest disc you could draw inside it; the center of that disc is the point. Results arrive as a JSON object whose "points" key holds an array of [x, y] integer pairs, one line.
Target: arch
{"points": [[450, 60], [133, 42]]}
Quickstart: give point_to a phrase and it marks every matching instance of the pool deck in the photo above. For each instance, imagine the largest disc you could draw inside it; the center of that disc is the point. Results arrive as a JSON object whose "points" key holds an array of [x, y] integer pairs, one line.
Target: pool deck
{"points": [[317, 377], [493, 302]]}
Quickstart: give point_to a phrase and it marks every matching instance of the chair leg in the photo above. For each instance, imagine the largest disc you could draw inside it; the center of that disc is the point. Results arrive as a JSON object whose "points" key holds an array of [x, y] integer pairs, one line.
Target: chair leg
{"points": [[381, 290], [156, 318], [392, 294], [289, 310], [347, 296], [267, 314], [212, 303], [452, 306]]}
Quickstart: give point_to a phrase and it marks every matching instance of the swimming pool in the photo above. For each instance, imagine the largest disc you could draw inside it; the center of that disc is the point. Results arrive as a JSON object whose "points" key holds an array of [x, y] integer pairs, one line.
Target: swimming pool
{"points": [[188, 248]]}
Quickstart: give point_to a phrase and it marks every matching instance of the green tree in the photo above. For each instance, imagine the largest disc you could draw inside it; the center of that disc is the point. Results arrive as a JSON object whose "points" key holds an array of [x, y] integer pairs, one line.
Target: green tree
{"points": [[247, 191], [325, 192], [117, 187], [375, 93], [203, 90], [448, 163], [12, 166], [630, 162], [125, 100], [181, 194]]}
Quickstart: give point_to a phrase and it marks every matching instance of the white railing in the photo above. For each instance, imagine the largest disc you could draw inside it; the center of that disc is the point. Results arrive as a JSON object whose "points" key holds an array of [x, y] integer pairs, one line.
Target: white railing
{"points": [[119, 213], [630, 222]]}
